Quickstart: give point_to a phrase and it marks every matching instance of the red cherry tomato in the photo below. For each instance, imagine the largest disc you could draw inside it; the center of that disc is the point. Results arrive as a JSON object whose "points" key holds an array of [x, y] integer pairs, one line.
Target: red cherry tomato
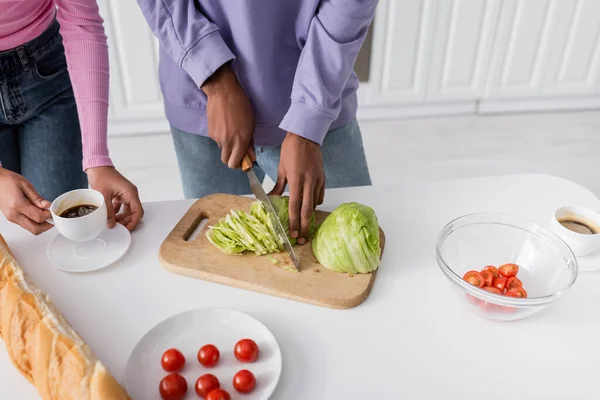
{"points": [[218, 394], [244, 381], [508, 270], [206, 384], [513, 282], [173, 387], [500, 283], [209, 355], [493, 270], [474, 278], [172, 360], [488, 278], [246, 350], [512, 294], [520, 292], [492, 290]]}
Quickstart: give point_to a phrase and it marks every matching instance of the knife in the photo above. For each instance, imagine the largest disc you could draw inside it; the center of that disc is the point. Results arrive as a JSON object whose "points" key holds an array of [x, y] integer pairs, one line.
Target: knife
{"points": [[259, 193]]}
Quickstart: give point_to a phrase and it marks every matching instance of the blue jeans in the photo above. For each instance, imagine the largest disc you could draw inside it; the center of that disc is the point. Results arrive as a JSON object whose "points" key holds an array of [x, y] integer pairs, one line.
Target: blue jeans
{"points": [[203, 173], [40, 136]]}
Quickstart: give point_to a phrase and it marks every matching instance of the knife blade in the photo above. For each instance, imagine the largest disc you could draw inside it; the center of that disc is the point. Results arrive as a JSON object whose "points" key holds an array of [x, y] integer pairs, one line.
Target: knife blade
{"points": [[261, 195]]}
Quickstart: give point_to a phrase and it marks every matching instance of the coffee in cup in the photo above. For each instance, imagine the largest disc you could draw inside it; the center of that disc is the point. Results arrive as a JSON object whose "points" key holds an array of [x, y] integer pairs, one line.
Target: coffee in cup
{"points": [[79, 215], [579, 227]]}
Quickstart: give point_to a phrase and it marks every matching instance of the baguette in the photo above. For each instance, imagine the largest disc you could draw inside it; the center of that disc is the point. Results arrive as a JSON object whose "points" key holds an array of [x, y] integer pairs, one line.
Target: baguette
{"points": [[43, 346]]}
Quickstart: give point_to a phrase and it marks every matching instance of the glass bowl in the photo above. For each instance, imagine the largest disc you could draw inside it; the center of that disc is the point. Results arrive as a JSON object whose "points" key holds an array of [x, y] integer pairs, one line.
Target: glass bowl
{"points": [[547, 266]]}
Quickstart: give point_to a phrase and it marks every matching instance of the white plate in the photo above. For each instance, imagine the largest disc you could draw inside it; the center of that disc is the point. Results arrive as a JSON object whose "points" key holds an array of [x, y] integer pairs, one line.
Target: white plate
{"points": [[106, 249], [188, 332], [590, 262]]}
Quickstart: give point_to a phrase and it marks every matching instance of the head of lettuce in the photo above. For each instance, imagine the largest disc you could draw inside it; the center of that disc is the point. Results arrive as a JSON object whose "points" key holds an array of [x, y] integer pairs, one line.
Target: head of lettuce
{"points": [[348, 240]]}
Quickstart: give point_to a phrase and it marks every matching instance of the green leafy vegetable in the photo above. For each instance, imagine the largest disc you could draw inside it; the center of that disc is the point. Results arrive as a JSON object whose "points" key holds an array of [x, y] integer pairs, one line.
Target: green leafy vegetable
{"points": [[348, 240], [239, 231]]}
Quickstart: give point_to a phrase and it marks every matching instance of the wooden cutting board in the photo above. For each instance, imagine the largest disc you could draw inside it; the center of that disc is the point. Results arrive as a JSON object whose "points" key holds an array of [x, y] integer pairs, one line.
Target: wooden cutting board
{"points": [[198, 258]]}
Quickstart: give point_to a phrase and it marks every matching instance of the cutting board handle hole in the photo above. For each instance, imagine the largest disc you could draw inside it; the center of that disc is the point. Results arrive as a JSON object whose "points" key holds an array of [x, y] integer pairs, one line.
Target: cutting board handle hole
{"points": [[195, 228]]}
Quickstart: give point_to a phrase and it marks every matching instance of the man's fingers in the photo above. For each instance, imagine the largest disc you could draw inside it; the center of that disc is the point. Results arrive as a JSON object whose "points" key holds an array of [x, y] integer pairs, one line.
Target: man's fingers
{"points": [[117, 207], [34, 197], [279, 187], [294, 208], [125, 214], [321, 194], [32, 226], [225, 154], [110, 212], [306, 211], [235, 160]]}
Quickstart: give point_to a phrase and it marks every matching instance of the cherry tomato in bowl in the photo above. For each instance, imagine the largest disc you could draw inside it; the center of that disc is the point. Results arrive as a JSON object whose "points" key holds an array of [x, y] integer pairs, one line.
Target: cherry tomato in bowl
{"points": [[493, 270], [500, 283], [172, 360], [208, 355], [206, 384], [173, 387], [474, 278], [244, 381], [246, 350], [519, 291], [492, 289], [513, 282], [488, 278], [508, 270]]}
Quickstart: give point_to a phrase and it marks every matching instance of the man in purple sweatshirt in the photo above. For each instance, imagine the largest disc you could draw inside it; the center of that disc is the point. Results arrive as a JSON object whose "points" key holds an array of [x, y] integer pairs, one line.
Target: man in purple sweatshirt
{"points": [[270, 77]]}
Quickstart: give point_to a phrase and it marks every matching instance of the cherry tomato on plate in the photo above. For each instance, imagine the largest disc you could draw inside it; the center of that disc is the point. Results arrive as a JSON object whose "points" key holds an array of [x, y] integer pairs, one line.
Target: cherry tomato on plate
{"points": [[520, 292], [208, 355], [508, 270], [492, 289], [474, 278], [246, 350], [172, 360], [244, 381], [488, 278], [206, 384], [173, 387], [493, 270], [218, 394], [500, 284], [513, 282]]}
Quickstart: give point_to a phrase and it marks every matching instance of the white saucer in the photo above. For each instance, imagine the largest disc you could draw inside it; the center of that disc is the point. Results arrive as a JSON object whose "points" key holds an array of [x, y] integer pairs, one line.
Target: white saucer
{"points": [[188, 332], [101, 252], [590, 262]]}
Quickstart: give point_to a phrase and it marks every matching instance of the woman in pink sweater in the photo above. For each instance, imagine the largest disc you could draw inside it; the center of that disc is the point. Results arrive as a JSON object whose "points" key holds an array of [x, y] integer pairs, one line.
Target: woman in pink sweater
{"points": [[53, 111]]}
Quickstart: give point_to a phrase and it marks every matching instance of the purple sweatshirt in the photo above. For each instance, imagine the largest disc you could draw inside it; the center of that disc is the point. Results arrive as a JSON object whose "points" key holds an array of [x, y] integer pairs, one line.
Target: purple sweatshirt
{"points": [[293, 58]]}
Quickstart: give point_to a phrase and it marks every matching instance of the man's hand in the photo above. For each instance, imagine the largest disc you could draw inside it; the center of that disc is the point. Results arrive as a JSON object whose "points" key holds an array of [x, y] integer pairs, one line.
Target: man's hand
{"points": [[230, 116], [118, 192], [301, 167], [22, 204]]}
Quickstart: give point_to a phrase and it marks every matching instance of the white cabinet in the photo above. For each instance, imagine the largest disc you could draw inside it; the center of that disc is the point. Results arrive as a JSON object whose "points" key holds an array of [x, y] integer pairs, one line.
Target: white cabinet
{"points": [[135, 97], [429, 57]]}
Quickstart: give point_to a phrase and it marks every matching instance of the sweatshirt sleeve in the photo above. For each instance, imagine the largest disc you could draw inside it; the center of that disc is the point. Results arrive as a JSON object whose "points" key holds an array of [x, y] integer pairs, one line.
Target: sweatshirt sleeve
{"points": [[191, 40], [335, 36], [86, 52]]}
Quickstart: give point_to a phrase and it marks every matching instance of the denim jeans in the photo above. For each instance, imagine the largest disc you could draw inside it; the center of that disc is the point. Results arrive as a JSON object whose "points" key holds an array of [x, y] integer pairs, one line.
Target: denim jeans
{"points": [[40, 136], [203, 173]]}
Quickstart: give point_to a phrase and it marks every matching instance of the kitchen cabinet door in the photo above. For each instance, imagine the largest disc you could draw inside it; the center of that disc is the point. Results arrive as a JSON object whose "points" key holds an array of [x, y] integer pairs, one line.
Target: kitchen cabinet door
{"points": [[135, 96], [546, 48], [464, 36], [402, 42]]}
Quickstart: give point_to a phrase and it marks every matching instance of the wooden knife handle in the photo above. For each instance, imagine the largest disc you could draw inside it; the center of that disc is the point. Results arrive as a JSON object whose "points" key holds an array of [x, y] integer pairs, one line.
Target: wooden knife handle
{"points": [[247, 163]]}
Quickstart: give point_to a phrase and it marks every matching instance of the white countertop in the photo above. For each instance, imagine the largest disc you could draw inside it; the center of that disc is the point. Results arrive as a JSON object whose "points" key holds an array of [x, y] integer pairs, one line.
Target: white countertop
{"points": [[411, 339]]}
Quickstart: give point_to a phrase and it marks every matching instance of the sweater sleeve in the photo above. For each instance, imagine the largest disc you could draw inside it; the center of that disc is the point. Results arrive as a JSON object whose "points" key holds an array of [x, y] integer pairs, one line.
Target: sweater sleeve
{"points": [[335, 36], [189, 38], [87, 59]]}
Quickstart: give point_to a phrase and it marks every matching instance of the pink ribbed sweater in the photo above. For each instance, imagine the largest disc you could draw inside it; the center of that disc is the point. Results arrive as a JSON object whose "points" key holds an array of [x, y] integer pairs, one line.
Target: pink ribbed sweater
{"points": [[87, 59]]}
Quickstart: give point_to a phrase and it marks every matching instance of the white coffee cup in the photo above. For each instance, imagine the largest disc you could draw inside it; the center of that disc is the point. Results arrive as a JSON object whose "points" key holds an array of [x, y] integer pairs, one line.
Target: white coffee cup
{"points": [[79, 229], [582, 244]]}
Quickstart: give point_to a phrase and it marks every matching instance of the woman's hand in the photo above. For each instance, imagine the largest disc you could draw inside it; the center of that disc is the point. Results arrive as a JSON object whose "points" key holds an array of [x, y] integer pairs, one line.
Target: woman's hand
{"points": [[118, 193], [22, 204]]}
